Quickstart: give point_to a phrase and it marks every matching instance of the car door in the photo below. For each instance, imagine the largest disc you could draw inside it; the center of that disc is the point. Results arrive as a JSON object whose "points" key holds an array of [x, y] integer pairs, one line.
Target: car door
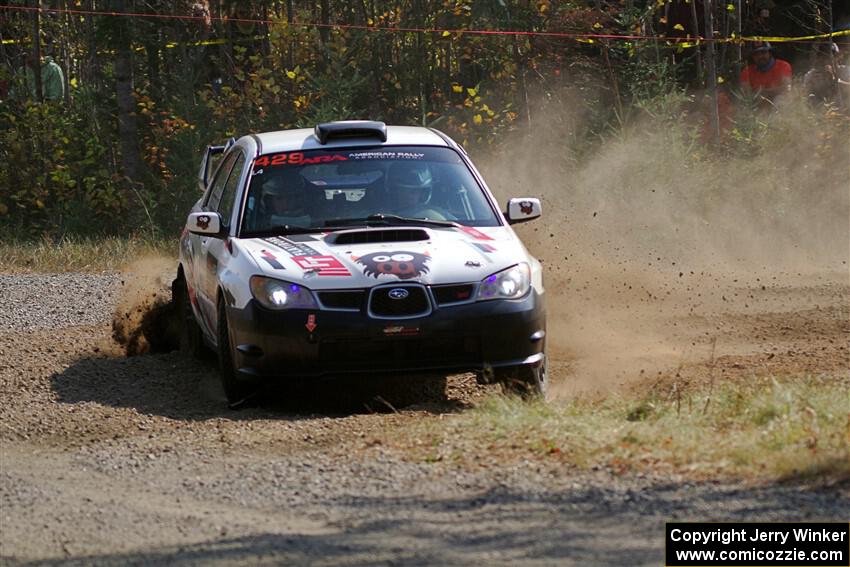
{"points": [[203, 242], [213, 250]]}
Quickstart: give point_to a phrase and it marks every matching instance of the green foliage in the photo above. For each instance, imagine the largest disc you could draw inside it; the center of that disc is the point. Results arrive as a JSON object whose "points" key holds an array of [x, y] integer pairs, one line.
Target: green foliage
{"points": [[60, 178], [772, 428], [198, 83]]}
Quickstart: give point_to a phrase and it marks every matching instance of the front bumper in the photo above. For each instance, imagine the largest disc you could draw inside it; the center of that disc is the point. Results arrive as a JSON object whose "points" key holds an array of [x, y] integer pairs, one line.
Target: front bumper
{"points": [[463, 337]]}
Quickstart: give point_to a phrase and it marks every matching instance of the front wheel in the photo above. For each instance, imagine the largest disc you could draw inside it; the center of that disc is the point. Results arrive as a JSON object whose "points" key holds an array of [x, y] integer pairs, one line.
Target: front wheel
{"points": [[190, 339], [235, 390], [528, 380]]}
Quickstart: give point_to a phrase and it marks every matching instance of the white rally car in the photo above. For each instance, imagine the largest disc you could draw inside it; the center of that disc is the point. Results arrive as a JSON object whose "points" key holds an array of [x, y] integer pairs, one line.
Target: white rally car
{"points": [[357, 247]]}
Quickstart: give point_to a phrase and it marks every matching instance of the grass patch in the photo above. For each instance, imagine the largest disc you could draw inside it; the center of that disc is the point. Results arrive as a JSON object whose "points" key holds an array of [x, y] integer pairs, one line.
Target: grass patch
{"points": [[80, 254], [777, 428]]}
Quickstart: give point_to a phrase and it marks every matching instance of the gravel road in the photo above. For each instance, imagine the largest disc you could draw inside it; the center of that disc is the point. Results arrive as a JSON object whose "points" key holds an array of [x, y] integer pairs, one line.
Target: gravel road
{"points": [[109, 460]]}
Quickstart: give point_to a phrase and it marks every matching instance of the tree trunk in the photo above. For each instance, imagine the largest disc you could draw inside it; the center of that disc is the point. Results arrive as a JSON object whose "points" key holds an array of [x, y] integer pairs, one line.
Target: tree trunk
{"points": [[127, 131], [36, 52], [711, 81], [325, 17], [695, 22], [154, 79], [290, 17], [739, 56], [66, 56]]}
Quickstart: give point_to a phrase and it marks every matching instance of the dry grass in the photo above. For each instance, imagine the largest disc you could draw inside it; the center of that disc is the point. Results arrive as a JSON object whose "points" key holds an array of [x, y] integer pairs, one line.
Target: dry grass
{"points": [[770, 428], [80, 254]]}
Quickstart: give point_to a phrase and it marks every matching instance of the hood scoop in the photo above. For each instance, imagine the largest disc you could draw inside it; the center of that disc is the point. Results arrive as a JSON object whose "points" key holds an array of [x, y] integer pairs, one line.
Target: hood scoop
{"points": [[375, 236]]}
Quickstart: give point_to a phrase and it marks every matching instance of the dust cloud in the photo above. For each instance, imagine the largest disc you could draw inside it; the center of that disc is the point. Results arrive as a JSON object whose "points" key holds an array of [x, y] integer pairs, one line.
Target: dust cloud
{"points": [[144, 319], [649, 241]]}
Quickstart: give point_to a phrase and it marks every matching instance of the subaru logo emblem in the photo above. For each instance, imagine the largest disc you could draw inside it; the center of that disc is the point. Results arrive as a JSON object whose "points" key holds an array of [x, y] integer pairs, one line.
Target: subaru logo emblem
{"points": [[398, 293]]}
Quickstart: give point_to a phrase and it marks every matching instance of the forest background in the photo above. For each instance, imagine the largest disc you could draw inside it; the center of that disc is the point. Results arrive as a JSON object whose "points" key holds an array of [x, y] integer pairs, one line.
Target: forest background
{"points": [[150, 83]]}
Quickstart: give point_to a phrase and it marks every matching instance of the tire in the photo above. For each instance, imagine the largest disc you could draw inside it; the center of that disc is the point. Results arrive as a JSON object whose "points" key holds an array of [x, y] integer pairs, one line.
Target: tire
{"points": [[529, 381], [235, 390], [190, 338]]}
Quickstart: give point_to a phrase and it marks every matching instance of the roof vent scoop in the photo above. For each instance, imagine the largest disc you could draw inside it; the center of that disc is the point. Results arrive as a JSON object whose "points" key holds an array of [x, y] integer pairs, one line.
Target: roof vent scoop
{"points": [[374, 236], [351, 129]]}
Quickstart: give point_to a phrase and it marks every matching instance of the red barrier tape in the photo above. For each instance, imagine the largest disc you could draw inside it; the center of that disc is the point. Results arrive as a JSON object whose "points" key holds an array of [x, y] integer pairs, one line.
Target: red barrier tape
{"points": [[394, 29], [587, 37]]}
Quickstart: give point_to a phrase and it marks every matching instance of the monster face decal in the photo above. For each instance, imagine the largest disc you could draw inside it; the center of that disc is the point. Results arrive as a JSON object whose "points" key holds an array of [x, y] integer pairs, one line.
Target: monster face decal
{"points": [[403, 265]]}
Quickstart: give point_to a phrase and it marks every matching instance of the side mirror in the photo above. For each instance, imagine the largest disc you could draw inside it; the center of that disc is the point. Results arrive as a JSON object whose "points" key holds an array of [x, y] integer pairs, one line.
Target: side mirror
{"points": [[211, 159], [208, 224], [523, 209]]}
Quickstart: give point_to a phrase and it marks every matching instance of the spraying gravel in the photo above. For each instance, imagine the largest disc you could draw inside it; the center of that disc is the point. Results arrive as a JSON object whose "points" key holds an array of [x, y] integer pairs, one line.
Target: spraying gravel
{"points": [[110, 460]]}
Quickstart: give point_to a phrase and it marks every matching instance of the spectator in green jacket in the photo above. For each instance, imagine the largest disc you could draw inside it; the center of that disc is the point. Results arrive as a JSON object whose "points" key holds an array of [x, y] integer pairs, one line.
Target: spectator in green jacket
{"points": [[52, 78]]}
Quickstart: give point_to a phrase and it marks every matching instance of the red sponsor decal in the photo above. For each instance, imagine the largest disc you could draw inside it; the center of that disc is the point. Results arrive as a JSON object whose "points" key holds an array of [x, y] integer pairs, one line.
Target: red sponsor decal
{"points": [[295, 158], [311, 323], [271, 259], [192, 298], [484, 247], [322, 265], [475, 233]]}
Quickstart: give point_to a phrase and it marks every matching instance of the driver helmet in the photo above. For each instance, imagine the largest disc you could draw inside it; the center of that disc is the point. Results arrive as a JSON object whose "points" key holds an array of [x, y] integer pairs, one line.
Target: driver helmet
{"points": [[284, 194], [411, 182]]}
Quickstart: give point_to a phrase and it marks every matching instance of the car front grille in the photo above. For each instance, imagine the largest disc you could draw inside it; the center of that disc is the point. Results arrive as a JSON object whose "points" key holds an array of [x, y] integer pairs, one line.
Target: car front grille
{"points": [[349, 300], [448, 294], [399, 301]]}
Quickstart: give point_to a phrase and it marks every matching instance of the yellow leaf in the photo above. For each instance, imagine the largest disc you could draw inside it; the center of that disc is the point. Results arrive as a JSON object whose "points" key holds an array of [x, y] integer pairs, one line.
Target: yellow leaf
{"points": [[446, 34], [720, 80], [679, 27], [471, 92], [39, 203], [290, 74], [477, 119], [730, 7], [457, 88], [370, 21], [597, 26]]}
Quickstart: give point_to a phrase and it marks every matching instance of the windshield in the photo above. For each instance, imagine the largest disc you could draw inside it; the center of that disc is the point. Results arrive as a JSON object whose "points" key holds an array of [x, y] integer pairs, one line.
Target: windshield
{"points": [[322, 189]]}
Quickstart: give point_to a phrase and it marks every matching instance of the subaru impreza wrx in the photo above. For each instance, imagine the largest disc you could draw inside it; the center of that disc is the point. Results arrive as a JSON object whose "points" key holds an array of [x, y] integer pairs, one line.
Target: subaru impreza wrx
{"points": [[357, 247]]}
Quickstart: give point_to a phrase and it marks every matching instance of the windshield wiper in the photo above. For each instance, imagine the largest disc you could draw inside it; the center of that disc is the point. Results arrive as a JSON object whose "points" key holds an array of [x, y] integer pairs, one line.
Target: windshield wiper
{"points": [[381, 219]]}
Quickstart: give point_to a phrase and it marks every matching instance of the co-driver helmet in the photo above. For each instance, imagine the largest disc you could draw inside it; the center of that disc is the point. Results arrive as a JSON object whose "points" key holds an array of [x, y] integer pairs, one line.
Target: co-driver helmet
{"points": [[411, 176]]}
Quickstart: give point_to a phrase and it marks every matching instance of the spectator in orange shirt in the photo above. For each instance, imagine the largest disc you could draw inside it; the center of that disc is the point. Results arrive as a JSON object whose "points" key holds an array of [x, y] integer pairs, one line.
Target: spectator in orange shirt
{"points": [[767, 75]]}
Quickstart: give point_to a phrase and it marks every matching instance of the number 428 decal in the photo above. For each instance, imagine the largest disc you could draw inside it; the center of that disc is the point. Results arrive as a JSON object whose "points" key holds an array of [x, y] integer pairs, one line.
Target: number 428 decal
{"points": [[295, 158]]}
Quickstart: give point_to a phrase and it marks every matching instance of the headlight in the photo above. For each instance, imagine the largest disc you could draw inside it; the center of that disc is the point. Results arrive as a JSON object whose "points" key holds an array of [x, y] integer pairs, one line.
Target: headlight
{"points": [[276, 294], [507, 284]]}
